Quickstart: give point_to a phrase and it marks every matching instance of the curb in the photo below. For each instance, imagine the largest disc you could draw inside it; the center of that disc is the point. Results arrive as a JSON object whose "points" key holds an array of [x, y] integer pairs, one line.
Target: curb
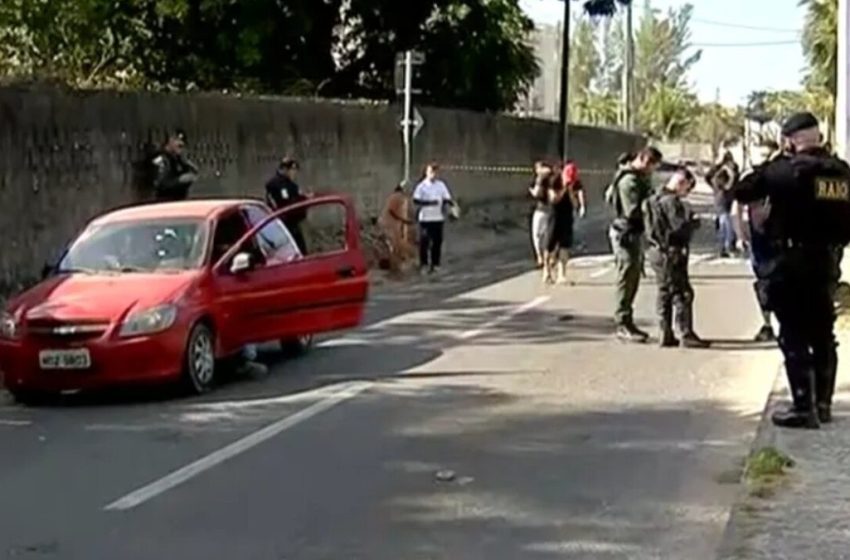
{"points": [[765, 436]]}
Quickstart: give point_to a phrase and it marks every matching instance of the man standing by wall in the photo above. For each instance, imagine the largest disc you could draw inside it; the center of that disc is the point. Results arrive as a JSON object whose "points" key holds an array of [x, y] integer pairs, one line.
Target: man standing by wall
{"points": [[283, 191], [174, 173], [431, 198], [632, 187]]}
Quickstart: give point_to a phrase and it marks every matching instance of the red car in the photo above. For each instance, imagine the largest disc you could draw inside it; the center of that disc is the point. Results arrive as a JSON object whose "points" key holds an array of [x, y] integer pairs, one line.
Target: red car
{"points": [[159, 292]]}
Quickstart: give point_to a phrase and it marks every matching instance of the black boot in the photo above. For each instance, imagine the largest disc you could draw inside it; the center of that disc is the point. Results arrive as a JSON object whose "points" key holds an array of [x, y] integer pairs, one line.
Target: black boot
{"points": [[691, 340], [824, 413], [666, 338], [803, 413], [826, 367], [793, 417]]}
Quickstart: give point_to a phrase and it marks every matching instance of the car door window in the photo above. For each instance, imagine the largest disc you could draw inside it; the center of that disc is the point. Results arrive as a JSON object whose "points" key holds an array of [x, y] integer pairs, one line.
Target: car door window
{"points": [[325, 229], [274, 240], [228, 231]]}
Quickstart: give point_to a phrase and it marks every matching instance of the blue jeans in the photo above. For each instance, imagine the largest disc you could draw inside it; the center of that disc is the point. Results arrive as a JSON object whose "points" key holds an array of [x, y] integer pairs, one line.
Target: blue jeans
{"points": [[249, 353], [726, 232]]}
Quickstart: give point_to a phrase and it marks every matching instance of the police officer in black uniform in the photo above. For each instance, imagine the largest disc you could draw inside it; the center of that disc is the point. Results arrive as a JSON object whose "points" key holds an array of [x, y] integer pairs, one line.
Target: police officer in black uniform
{"points": [[174, 173], [809, 194], [282, 191]]}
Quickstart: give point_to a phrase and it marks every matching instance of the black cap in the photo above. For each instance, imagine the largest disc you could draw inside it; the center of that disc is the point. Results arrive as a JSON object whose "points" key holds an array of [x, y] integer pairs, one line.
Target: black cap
{"points": [[798, 122]]}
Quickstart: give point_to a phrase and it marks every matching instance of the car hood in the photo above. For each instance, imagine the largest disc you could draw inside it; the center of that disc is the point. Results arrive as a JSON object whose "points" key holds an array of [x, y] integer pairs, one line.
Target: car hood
{"points": [[99, 297]]}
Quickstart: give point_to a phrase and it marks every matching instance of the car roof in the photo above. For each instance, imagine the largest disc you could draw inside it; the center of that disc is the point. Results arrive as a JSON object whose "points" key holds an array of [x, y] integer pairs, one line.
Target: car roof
{"points": [[198, 209]]}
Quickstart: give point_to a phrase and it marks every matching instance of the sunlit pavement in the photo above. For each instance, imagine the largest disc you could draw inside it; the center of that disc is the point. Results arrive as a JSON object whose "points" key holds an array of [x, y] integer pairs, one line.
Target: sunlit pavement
{"points": [[478, 415]]}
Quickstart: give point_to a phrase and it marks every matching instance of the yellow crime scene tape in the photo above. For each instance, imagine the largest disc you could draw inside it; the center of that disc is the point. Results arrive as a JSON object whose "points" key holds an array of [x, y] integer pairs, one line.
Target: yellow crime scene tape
{"points": [[514, 169]]}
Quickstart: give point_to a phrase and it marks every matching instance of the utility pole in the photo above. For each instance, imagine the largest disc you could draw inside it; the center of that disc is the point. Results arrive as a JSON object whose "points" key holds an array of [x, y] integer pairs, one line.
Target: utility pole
{"points": [[563, 113], [628, 70], [410, 122], [842, 97], [407, 135]]}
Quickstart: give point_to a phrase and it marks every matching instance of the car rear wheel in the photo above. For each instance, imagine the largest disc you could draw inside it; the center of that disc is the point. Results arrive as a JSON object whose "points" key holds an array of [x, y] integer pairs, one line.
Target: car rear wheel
{"points": [[199, 360], [294, 347]]}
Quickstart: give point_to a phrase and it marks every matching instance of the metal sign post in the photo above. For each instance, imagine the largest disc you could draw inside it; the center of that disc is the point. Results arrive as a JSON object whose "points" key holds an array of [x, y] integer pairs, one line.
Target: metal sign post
{"points": [[411, 121]]}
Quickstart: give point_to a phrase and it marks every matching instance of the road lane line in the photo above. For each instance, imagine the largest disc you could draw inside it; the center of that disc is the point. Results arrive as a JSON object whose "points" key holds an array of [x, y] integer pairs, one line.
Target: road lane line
{"points": [[472, 333], [602, 272], [349, 391], [15, 423], [184, 474]]}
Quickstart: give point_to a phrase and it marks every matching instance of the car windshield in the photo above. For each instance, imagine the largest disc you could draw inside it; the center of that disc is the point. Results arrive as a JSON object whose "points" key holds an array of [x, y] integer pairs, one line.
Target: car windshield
{"points": [[138, 246]]}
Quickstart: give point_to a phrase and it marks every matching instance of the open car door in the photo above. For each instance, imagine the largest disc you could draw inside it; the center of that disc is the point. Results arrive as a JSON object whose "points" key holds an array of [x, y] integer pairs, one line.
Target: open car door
{"points": [[302, 294]]}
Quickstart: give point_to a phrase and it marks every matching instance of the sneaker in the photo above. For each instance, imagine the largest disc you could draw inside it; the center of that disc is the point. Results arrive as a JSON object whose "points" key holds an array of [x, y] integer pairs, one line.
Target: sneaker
{"points": [[766, 334], [630, 333]]}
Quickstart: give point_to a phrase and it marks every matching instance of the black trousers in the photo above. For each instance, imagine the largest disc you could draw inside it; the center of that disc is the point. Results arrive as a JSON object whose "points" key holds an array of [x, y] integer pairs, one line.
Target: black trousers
{"points": [[430, 243], [675, 293], [800, 296], [297, 236]]}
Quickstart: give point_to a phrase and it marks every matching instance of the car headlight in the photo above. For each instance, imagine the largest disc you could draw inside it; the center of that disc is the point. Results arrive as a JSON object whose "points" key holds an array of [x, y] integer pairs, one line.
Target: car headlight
{"points": [[149, 321], [9, 326]]}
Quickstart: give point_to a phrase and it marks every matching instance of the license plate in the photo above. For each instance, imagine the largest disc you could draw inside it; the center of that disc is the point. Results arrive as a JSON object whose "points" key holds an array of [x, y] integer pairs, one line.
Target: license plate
{"points": [[65, 359]]}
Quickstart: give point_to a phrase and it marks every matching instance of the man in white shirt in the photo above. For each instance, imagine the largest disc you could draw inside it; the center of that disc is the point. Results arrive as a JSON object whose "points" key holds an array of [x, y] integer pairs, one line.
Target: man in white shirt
{"points": [[431, 198]]}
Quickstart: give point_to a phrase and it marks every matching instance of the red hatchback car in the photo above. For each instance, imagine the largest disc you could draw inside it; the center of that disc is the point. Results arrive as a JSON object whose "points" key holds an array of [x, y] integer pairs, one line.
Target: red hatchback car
{"points": [[157, 292]]}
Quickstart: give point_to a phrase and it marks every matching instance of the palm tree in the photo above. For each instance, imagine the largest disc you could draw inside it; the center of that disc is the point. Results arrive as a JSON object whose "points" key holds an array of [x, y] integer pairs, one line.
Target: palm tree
{"points": [[820, 43], [667, 112]]}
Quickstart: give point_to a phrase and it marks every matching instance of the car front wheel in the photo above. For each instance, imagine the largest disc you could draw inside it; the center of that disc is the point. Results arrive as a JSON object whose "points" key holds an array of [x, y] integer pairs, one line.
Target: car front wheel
{"points": [[199, 359]]}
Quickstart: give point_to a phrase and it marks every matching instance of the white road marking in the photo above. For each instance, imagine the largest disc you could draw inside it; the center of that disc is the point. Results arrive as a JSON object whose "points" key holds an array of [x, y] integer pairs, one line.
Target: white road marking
{"points": [[504, 318], [697, 259], [602, 272], [178, 477], [347, 392], [15, 423]]}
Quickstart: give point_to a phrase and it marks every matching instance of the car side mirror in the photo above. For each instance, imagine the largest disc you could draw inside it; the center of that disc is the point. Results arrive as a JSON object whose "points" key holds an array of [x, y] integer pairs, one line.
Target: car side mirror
{"points": [[241, 263]]}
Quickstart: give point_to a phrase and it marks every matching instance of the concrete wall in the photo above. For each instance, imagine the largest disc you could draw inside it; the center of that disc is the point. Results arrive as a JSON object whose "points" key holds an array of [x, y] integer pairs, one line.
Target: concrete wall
{"points": [[67, 156]]}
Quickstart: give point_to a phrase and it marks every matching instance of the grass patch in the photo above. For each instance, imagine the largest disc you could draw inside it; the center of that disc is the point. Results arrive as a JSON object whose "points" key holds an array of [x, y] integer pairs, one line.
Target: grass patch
{"points": [[765, 470]]}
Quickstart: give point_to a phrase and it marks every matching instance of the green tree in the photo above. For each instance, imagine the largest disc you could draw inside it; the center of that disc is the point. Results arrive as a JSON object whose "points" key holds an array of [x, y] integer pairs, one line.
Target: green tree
{"points": [[662, 51], [585, 62], [667, 112], [477, 51], [820, 43], [83, 43]]}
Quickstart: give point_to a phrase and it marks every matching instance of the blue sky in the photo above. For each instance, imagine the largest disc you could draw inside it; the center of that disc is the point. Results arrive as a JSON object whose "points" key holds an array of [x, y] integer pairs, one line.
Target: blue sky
{"points": [[735, 70]]}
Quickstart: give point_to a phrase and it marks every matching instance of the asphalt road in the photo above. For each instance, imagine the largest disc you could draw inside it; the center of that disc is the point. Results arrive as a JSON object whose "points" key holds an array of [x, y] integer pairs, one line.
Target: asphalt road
{"points": [[560, 442]]}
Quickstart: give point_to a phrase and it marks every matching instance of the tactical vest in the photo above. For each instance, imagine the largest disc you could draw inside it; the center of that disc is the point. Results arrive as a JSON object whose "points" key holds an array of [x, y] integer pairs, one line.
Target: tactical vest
{"points": [[656, 226], [821, 203]]}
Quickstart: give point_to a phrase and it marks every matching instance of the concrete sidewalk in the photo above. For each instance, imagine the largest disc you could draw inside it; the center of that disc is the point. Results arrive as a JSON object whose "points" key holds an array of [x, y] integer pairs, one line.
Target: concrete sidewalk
{"points": [[806, 514]]}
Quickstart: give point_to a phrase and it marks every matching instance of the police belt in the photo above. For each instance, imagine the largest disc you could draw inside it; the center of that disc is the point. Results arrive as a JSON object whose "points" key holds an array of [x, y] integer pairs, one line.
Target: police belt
{"points": [[670, 249], [797, 244]]}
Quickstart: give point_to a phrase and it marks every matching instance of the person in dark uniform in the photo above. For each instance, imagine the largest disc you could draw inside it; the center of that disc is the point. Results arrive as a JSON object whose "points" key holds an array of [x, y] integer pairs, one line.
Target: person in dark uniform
{"points": [[283, 191], [761, 248], [809, 193], [669, 228], [173, 172]]}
